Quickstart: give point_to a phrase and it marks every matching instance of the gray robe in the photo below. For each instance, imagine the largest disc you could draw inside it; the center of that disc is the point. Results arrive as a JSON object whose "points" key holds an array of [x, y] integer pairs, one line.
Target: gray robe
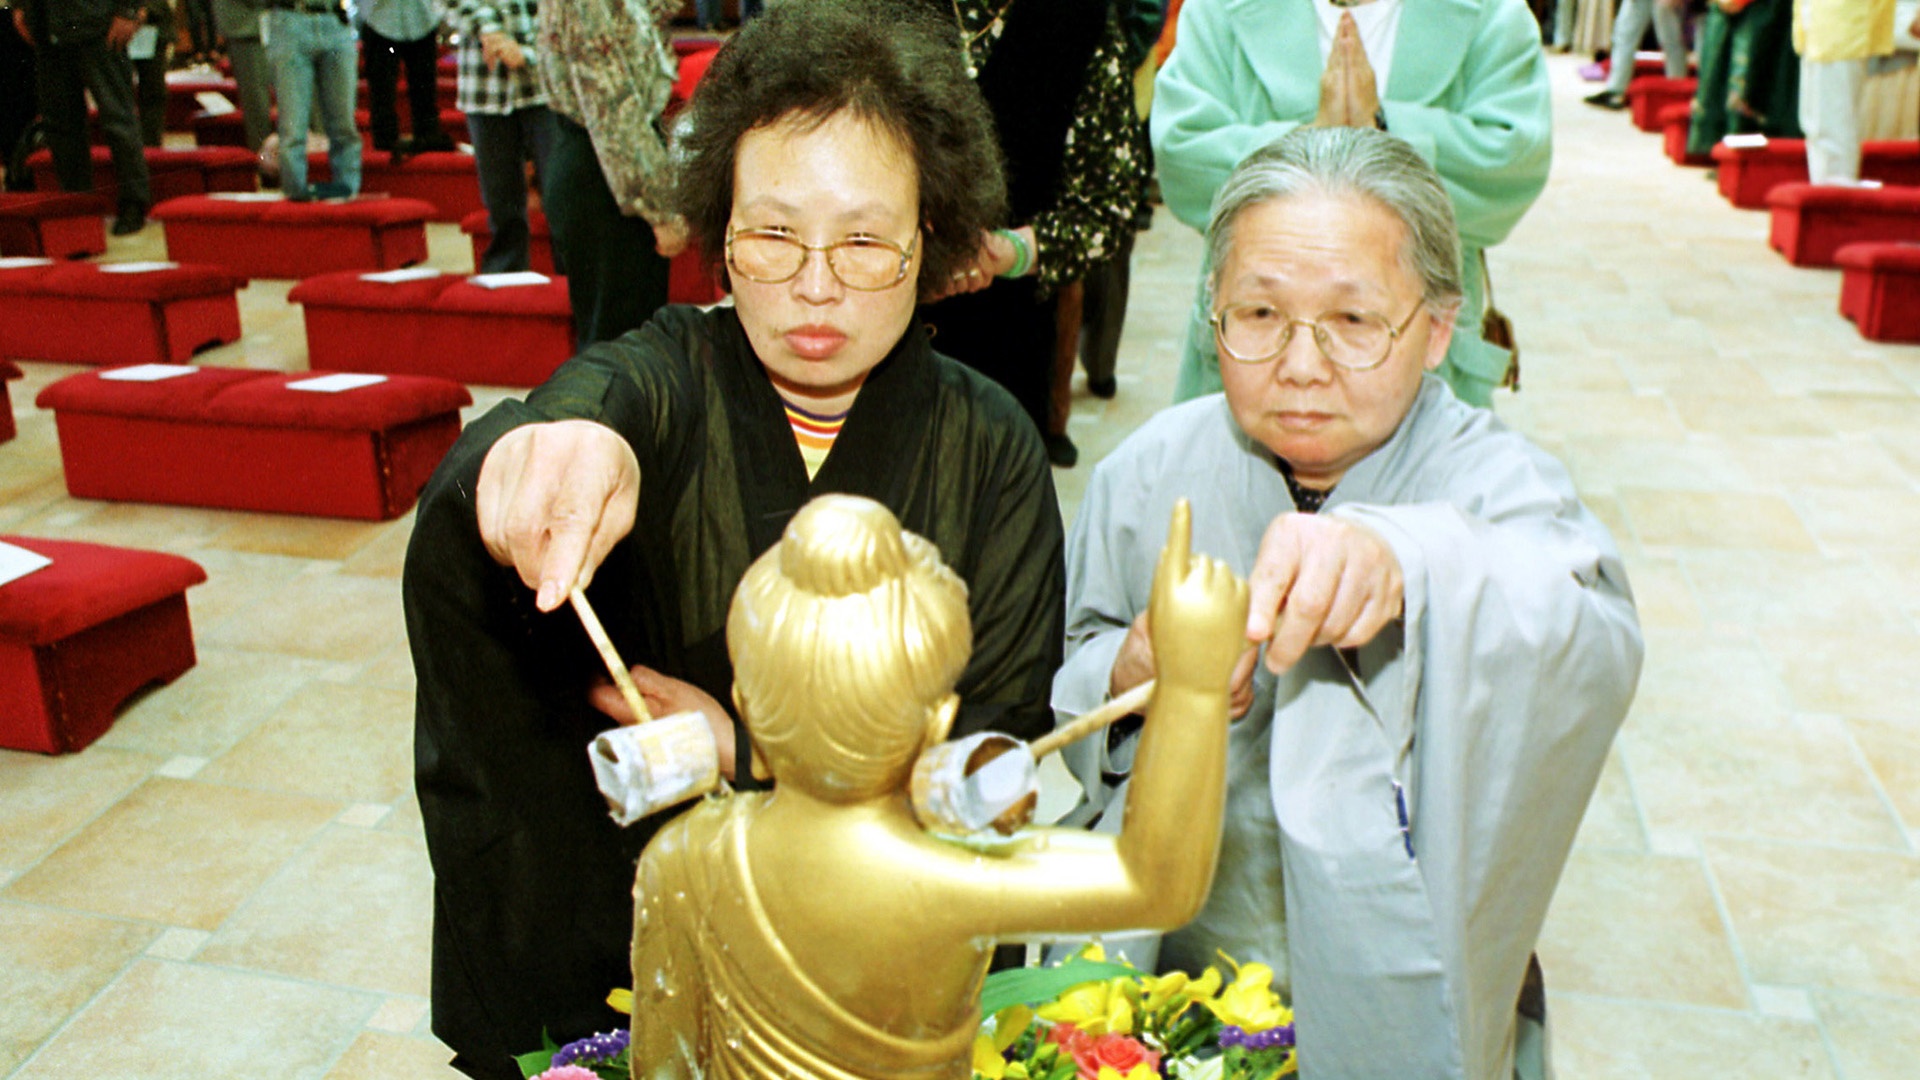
{"points": [[1489, 707]]}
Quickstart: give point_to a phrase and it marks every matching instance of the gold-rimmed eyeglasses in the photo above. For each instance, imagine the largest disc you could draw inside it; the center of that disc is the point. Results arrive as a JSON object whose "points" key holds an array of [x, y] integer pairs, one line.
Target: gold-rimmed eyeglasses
{"points": [[1255, 333], [863, 262]]}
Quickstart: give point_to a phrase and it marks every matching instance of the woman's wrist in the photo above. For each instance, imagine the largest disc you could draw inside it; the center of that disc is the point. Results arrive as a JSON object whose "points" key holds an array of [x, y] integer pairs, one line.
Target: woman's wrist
{"points": [[1023, 252]]}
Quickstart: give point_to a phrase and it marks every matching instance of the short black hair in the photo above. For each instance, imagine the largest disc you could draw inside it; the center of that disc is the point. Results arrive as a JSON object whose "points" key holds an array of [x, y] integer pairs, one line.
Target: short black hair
{"points": [[893, 63]]}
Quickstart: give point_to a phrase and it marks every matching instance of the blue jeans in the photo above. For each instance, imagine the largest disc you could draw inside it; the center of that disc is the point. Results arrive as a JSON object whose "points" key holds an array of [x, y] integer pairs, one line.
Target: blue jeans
{"points": [[314, 62]]}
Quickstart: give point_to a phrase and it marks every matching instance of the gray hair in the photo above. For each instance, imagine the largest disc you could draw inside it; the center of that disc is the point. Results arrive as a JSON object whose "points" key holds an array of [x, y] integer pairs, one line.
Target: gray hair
{"points": [[1340, 161]]}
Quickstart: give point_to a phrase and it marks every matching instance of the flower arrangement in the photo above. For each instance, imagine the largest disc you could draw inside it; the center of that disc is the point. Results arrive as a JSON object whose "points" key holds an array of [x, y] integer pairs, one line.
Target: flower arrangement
{"points": [[1084, 1019], [1089, 1019]]}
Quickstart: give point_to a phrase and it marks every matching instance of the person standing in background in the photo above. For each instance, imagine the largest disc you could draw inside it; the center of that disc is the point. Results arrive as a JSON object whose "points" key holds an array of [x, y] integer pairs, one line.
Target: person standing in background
{"points": [[1464, 83], [311, 47], [150, 69], [1035, 62], [239, 23], [507, 116], [1749, 79], [1103, 313], [1629, 26], [395, 33], [1835, 39], [201, 35], [608, 72], [80, 47]]}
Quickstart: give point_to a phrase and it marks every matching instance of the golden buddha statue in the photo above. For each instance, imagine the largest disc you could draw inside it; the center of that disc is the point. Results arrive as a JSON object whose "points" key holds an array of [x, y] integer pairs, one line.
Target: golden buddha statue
{"points": [[817, 930]]}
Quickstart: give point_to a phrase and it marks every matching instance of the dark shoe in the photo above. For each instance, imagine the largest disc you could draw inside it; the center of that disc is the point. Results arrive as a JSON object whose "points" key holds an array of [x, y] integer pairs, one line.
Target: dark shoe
{"points": [[438, 142], [130, 220], [332, 190], [1103, 388], [1607, 99], [1061, 451]]}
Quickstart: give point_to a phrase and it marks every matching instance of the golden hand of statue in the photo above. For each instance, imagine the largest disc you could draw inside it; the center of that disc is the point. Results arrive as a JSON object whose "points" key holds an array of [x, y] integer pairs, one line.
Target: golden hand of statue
{"points": [[1198, 613]]}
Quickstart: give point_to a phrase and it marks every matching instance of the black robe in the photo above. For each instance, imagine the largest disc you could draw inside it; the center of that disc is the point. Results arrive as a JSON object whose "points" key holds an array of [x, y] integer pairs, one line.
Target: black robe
{"points": [[533, 882]]}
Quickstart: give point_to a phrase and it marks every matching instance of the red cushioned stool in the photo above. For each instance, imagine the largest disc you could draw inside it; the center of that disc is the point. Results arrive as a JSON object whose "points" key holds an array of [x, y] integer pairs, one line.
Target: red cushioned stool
{"points": [[448, 180], [219, 129], [1749, 173], [80, 635], [453, 124], [1880, 289], [183, 88], [1812, 222], [171, 173], [9, 371], [688, 281], [242, 439], [442, 325], [1893, 162], [87, 313], [52, 224], [1676, 121], [1650, 95], [281, 239], [693, 64]]}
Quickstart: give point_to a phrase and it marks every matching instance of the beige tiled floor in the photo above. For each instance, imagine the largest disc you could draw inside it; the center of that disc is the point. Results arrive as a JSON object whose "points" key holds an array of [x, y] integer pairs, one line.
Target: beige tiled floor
{"points": [[232, 882]]}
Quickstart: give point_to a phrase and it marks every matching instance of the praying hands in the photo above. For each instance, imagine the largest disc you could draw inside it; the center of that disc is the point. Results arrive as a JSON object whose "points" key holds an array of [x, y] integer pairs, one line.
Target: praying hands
{"points": [[1348, 96]]}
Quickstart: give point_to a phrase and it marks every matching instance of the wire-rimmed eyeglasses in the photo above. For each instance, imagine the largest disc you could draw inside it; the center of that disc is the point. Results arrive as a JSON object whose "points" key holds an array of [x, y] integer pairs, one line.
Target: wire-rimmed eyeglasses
{"points": [[863, 262], [1254, 333]]}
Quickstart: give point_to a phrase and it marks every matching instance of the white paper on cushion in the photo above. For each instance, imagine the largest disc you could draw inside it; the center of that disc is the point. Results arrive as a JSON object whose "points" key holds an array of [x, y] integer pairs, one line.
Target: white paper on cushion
{"points": [[148, 372], [337, 382], [507, 280], [18, 562], [405, 273]]}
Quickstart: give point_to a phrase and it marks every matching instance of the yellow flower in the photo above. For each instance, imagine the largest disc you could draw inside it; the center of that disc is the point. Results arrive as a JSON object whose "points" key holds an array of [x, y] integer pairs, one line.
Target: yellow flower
{"points": [[1138, 1072], [1248, 1003], [621, 1000], [1099, 1008], [987, 1061], [1176, 990], [1009, 1024]]}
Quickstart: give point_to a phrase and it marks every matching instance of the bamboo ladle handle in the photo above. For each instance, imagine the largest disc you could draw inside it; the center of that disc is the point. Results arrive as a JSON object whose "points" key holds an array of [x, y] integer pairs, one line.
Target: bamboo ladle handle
{"points": [[615, 666], [1082, 726]]}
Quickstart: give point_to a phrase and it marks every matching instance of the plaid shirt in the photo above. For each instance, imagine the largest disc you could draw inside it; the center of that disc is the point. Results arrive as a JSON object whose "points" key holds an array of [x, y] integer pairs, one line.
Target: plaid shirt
{"points": [[496, 91]]}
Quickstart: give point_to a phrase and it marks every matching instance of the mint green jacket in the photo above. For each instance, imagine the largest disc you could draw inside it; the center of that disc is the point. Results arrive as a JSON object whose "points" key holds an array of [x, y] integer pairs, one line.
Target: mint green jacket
{"points": [[1467, 88]]}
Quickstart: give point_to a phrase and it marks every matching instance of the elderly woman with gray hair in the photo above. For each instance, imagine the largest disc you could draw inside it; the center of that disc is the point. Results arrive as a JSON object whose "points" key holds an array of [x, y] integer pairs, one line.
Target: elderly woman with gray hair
{"points": [[1441, 642]]}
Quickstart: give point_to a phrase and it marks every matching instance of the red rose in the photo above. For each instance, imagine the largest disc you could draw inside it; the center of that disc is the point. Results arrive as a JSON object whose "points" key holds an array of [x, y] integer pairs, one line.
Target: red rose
{"points": [[1120, 1052]]}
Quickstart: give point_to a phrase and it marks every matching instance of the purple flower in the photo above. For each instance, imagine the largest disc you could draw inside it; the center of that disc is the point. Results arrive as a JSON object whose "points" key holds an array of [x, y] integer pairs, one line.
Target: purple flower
{"points": [[593, 1050], [1272, 1038]]}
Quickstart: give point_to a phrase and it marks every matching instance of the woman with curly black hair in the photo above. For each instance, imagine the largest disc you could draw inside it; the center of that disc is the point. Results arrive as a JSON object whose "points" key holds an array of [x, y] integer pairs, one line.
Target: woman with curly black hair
{"points": [[840, 161]]}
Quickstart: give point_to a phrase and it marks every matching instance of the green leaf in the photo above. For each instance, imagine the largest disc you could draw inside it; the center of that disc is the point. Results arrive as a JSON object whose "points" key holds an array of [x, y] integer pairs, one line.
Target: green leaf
{"points": [[535, 1063], [1039, 985]]}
